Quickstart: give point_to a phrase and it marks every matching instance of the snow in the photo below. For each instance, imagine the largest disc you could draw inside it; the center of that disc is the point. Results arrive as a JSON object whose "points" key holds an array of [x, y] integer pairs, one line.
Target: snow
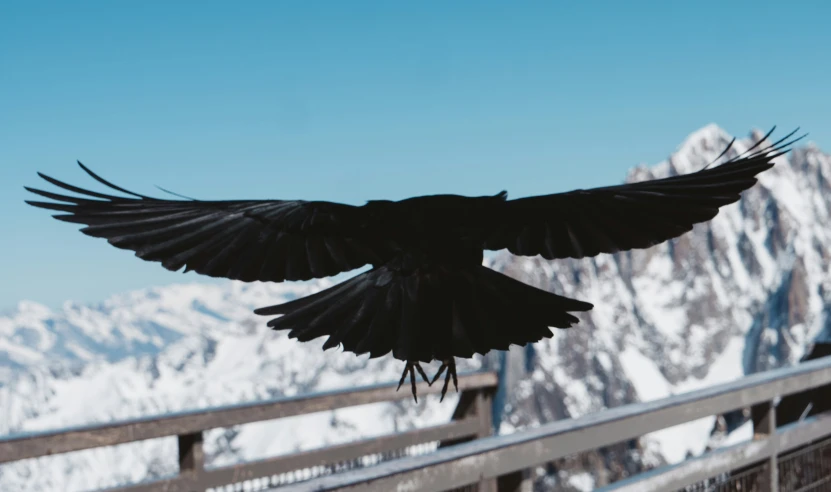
{"points": [[681, 441], [649, 383], [605, 360], [727, 367], [741, 434], [691, 438], [582, 481]]}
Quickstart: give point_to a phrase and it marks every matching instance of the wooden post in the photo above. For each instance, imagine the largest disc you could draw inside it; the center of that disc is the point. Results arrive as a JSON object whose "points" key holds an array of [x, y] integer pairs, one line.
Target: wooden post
{"points": [[465, 408], [191, 457], [483, 412], [765, 430], [518, 481], [475, 403]]}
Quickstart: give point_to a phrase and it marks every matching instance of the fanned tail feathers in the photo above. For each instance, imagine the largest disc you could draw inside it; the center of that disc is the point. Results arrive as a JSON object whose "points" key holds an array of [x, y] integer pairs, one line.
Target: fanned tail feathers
{"points": [[426, 315]]}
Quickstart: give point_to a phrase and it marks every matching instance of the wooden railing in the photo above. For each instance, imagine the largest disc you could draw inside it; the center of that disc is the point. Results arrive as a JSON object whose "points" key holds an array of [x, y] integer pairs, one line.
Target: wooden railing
{"points": [[471, 420], [468, 456], [508, 458]]}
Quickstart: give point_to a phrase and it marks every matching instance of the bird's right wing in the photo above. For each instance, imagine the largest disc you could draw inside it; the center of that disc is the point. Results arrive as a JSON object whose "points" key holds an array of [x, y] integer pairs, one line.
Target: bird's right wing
{"points": [[584, 223], [249, 240]]}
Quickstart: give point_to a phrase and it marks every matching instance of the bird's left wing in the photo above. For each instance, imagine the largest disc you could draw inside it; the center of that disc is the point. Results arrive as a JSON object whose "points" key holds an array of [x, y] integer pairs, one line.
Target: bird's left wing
{"points": [[584, 223], [249, 240]]}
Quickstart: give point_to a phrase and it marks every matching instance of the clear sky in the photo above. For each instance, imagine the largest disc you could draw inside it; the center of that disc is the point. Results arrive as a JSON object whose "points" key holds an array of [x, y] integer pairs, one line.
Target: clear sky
{"points": [[352, 100]]}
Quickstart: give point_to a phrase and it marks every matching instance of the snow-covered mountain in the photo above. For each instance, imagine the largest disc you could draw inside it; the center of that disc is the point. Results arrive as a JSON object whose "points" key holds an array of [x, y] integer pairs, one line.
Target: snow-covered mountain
{"points": [[746, 292], [129, 325], [174, 348]]}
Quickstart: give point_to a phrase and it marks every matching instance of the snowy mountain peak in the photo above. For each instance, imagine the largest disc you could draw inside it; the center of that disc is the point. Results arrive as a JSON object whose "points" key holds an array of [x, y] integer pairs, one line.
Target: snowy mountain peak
{"points": [[699, 149], [32, 310], [709, 137]]}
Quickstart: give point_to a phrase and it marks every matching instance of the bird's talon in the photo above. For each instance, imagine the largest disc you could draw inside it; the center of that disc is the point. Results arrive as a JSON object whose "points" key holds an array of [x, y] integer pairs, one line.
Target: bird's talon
{"points": [[403, 377], [410, 369], [438, 373], [413, 383], [450, 365], [423, 374]]}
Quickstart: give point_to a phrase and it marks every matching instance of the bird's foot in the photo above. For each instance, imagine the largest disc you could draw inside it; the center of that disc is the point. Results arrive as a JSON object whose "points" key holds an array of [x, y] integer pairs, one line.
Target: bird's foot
{"points": [[450, 365], [410, 369]]}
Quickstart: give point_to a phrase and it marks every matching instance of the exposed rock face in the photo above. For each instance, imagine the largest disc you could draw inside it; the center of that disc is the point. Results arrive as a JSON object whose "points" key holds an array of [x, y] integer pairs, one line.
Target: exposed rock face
{"points": [[743, 293]]}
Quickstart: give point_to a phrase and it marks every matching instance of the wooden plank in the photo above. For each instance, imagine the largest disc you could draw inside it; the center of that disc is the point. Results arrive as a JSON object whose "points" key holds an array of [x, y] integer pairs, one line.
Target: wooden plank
{"points": [[695, 469], [18, 447], [217, 477], [723, 460], [339, 453], [175, 484], [464, 409], [494, 456]]}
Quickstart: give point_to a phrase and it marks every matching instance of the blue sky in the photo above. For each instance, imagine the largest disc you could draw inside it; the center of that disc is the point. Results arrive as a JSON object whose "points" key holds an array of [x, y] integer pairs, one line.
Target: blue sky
{"points": [[355, 100]]}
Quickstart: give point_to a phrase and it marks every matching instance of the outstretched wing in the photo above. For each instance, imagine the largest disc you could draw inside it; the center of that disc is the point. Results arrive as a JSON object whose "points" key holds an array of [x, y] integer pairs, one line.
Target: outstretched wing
{"points": [[265, 240], [584, 223]]}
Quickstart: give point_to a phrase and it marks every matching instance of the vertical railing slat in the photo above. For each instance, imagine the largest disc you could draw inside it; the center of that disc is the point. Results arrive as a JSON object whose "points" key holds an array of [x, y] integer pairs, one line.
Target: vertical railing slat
{"points": [[191, 456], [766, 429]]}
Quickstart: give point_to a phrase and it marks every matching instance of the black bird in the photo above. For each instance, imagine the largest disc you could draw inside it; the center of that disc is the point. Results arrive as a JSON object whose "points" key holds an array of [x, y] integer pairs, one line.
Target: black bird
{"points": [[427, 296]]}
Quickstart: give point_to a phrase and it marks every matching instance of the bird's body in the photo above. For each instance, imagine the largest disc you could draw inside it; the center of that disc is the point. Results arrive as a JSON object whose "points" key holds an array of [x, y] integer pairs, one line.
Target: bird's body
{"points": [[427, 295]]}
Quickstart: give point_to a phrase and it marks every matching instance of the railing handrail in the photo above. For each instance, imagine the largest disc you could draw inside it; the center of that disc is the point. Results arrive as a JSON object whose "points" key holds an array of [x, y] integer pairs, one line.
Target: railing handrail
{"points": [[14, 447], [711, 464], [500, 455]]}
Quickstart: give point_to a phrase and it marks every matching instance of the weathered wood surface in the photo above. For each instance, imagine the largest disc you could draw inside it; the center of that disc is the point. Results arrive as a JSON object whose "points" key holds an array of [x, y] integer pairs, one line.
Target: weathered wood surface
{"points": [[22, 446], [496, 456], [726, 459], [217, 477]]}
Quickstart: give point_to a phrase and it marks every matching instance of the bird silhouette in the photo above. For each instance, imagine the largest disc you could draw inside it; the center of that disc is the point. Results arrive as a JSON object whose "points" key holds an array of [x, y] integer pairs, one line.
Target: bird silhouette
{"points": [[427, 296]]}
